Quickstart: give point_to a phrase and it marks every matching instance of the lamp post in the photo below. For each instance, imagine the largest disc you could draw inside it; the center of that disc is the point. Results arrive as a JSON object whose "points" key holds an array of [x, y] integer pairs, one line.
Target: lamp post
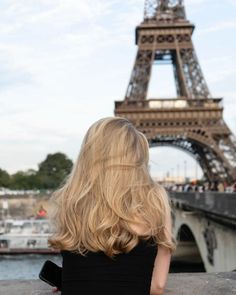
{"points": [[178, 172], [185, 170], [196, 170]]}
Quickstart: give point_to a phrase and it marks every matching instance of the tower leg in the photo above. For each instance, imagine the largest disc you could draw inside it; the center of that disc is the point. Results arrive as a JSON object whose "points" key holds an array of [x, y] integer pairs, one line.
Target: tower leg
{"points": [[195, 81], [138, 85]]}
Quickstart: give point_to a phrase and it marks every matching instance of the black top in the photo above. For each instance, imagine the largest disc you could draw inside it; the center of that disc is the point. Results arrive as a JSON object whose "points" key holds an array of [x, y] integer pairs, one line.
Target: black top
{"points": [[125, 274]]}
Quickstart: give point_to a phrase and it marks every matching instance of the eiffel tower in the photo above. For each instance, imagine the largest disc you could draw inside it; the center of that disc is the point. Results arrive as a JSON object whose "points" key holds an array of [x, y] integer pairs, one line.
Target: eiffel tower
{"points": [[192, 121]]}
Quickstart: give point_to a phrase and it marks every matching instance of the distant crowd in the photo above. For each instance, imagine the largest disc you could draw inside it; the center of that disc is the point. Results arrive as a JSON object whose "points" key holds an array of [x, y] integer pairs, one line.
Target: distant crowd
{"points": [[207, 186], [187, 187]]}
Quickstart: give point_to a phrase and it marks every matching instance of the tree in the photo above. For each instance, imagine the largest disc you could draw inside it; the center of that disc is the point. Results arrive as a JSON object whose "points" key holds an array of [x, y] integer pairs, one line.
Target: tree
{"points": [[4, 178], [19, 180], [25, 180], [33, 180], [53, 170]]}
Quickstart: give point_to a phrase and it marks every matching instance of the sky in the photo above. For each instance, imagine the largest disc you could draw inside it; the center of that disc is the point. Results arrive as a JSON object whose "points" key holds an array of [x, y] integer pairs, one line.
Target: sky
{"points": [[63, 63]]}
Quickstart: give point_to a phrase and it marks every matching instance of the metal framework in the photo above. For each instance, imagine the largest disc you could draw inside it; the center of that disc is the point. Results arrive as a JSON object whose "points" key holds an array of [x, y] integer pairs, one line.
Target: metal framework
{"points": [[193, 121]]}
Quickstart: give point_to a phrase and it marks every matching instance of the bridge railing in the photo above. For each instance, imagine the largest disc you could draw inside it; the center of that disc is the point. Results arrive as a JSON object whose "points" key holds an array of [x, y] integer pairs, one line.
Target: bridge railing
{"points": [[215, 204]]}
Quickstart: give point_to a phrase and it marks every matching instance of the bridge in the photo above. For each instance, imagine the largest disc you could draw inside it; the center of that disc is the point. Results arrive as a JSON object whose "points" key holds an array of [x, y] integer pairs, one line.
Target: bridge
{"points": [[205, 226]]}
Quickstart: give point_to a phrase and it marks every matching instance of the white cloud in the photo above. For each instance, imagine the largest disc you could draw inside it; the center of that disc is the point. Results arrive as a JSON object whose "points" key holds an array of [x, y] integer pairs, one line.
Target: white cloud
{"points": [[218, 27], [196, 2], [222, 75]]}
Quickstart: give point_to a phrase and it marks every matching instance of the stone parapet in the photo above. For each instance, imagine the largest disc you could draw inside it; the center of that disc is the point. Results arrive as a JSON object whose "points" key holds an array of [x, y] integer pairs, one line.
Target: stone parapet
{"points": [[178, 284]]}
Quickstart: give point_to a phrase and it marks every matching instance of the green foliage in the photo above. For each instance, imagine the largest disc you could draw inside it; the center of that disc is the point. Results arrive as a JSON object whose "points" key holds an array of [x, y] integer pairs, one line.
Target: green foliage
{"points": [[53, 170], [25, 180], [19, 180], [4, 178], [51, 173]]}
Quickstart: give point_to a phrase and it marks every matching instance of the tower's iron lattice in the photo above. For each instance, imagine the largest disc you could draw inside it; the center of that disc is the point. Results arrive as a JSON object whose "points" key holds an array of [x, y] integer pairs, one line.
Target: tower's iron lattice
{"points": [[194, 120]]}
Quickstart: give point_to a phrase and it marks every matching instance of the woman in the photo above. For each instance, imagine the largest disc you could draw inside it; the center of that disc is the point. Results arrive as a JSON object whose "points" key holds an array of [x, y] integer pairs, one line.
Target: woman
{"points": [[112, 221]]}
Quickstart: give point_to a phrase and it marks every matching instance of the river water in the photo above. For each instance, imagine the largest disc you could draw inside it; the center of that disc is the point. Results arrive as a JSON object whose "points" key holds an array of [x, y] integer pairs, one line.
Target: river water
{"points": [[27, 266], [23, 267]]}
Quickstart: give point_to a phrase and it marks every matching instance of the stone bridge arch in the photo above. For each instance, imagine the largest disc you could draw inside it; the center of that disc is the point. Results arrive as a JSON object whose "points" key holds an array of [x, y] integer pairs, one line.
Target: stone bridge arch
{"points": [[215, 241], [188, 249]]}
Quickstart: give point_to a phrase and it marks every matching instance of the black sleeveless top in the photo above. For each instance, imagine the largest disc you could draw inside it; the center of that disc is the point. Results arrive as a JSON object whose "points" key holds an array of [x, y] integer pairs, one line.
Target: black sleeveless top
{"points": [[95, 274]]}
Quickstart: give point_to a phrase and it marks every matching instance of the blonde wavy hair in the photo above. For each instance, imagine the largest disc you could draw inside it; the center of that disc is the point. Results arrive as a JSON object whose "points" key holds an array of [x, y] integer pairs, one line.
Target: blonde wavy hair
{"points": [[109, 189]]}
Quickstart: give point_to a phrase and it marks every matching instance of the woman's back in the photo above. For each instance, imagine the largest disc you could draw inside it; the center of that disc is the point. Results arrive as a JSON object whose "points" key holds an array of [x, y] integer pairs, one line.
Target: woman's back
{"points": [[109, 189], [96, 273]]}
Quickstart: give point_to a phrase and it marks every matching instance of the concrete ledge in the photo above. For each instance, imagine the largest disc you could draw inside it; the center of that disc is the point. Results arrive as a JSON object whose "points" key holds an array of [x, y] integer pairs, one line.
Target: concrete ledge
{"points": [[178, 284]]}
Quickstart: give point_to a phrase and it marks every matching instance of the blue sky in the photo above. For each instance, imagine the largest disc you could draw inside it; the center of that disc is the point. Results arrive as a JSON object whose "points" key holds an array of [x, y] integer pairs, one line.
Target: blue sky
{"points": [[63, 63]]}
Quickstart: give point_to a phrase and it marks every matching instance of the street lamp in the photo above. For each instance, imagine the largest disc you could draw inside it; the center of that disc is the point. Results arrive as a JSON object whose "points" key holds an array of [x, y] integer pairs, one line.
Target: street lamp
{"points": [[185, 170]]}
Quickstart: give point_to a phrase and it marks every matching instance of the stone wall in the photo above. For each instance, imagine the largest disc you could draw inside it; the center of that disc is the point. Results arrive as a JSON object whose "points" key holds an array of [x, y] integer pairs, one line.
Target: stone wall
{"points": [[178, 284]]}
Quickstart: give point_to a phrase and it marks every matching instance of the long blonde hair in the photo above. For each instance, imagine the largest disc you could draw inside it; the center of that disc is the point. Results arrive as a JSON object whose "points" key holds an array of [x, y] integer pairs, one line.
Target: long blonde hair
{"points": [[108, 187]]}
